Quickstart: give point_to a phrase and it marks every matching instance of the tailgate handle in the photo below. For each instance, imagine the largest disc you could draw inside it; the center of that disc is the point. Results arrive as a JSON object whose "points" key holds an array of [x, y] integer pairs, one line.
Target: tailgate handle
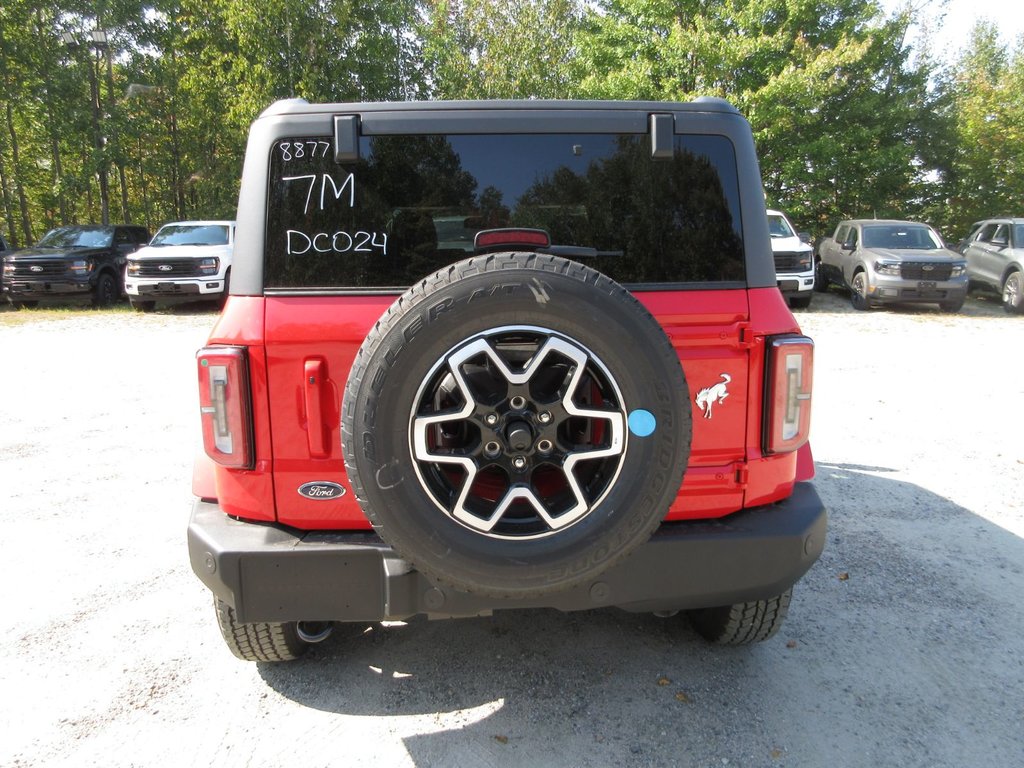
{"points": [[312, 385]]}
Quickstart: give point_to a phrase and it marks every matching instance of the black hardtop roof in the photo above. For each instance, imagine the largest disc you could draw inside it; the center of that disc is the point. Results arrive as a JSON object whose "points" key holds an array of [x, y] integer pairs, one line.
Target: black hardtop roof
{"points": [[303, 107]]}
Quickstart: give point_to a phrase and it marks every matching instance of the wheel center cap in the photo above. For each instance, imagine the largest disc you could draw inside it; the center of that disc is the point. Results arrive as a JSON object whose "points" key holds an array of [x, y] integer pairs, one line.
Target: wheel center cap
{"points": [[520, 436]]}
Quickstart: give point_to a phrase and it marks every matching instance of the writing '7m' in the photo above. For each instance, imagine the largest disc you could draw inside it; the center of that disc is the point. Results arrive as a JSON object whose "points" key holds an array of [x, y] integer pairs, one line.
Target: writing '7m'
{"points": [[330, 192]]}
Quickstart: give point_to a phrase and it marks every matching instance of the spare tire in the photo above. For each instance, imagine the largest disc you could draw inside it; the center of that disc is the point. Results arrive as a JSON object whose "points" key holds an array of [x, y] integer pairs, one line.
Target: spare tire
{"points": [[516, 424]]}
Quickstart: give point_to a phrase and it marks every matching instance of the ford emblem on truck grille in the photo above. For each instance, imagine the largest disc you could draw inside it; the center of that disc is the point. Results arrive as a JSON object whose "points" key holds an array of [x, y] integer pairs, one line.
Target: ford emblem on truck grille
{"points": [[321, 489], [165, 268]]}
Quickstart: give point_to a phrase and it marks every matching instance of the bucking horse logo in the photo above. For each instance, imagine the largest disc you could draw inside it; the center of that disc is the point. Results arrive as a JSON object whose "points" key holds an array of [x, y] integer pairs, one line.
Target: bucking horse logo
{"points": [[708, 396]]}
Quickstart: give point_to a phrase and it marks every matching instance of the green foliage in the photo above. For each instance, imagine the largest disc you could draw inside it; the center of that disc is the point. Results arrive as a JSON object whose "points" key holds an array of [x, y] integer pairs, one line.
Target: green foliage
{"points": [[984, 174], [845, 121]]}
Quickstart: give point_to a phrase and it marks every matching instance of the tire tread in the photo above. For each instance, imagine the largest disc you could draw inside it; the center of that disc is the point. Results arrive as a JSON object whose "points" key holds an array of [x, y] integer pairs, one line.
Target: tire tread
{"points": [[259, 641], [742, 623]]}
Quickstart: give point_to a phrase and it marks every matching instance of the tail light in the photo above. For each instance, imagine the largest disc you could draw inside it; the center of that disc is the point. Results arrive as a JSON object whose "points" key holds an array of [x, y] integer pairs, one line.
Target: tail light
{"points": [[788, 394], [224, 401]]}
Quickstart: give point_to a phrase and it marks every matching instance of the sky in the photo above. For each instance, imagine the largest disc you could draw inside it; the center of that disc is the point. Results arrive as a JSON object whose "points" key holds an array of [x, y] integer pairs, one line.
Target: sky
{"points": [[954, 19]]}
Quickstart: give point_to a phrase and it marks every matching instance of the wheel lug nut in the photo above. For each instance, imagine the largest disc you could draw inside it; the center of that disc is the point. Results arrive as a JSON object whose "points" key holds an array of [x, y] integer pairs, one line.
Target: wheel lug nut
{"points": [[544, 417], [544, 446], [491, 419], [492, 449], [519, 462], [517, 402]]}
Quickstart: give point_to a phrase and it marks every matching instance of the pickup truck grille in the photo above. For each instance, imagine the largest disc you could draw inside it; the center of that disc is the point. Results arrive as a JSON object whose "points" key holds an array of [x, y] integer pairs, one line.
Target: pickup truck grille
{"points": [[792, 261], [39, 268], [159, 268], [920, 271]]}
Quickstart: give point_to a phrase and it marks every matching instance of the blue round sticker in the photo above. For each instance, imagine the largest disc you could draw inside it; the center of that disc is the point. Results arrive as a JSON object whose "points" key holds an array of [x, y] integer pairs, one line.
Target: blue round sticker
{"points": [[642, 423]]}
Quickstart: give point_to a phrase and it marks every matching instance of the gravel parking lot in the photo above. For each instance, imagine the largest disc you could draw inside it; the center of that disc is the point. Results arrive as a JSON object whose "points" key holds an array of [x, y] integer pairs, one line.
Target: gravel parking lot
{"points": [[904, 645]]}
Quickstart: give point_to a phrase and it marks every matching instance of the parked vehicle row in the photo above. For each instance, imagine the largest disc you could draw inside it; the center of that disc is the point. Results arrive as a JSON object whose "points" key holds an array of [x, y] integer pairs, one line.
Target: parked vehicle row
{"points": [[900, 262], [878, 261], [185, 261]]}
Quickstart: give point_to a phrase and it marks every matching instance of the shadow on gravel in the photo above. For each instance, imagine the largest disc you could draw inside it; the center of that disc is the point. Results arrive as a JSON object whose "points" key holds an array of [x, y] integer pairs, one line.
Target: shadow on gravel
{"points": [[903, 647]]}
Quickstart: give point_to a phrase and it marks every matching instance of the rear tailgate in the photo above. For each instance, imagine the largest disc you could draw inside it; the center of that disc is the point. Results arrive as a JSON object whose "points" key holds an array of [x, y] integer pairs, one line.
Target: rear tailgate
{"points": [[311, 342]]}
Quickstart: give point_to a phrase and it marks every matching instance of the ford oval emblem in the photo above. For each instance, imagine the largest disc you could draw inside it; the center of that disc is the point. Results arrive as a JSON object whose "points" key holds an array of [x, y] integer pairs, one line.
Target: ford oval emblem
{"points": [[928, 267], [165, 268], [36, 269], [322, 490]]}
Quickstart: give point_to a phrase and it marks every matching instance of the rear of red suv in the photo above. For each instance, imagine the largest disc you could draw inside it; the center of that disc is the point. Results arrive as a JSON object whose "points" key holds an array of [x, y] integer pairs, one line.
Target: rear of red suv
{"points": [[499, 355]]}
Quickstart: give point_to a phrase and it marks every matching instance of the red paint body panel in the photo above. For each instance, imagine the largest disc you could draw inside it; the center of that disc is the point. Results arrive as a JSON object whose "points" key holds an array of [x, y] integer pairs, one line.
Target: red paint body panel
{"points": [[292, 340], [300, 330], [204, 476], [244, 493]]}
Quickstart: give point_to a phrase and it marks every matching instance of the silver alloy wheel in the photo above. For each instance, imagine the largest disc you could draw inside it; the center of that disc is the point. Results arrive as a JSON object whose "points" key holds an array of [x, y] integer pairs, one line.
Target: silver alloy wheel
{"points": [[550, 406], [860, 284], [1012, 289]]}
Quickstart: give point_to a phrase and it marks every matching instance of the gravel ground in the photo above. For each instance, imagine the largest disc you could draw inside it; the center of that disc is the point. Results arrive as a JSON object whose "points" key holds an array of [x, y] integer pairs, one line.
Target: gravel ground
{"points": [[903, 645]]}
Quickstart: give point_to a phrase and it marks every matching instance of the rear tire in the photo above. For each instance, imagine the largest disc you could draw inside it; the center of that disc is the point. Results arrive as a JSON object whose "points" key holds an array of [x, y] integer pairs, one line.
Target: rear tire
{"points": [[259, 641], [742, 623]]}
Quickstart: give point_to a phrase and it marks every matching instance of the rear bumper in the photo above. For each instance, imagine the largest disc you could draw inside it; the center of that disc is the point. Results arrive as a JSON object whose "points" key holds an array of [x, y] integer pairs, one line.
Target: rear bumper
{"points": [[270, 573]]}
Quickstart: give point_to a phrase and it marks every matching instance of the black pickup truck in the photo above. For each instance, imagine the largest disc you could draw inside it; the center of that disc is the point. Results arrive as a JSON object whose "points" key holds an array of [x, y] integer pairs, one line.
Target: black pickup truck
{"points": [[77, 262]]}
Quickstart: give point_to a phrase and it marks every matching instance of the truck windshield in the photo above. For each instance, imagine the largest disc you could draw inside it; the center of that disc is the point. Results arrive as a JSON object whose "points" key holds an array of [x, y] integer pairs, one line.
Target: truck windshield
{"points": [[900, 236], [413, 204], [191, 234], [77, 237]]}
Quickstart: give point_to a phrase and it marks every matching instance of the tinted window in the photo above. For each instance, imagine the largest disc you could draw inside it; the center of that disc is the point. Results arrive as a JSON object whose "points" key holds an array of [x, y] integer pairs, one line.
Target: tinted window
{"points": [[1018, 235], [987, 233], [413, 204]]}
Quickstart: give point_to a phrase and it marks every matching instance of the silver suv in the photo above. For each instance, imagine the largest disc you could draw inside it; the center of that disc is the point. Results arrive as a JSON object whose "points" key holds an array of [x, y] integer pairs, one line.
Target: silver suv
{"points": [[995, 258], [891, 262]]}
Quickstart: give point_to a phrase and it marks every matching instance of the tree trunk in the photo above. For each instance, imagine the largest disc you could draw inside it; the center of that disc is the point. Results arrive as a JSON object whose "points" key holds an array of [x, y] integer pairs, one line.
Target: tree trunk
{"points": [[8, 211], [26, 224]]}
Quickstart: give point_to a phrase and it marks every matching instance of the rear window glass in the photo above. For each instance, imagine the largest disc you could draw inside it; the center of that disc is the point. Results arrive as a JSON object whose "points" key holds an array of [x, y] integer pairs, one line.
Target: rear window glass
{"points": [[413, 204]]}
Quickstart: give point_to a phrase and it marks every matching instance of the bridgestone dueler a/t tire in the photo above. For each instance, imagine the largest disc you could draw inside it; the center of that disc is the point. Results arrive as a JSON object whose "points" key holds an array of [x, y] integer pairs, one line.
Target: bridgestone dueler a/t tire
{"points": [[742, 623], [261, 641], [471, 298]]}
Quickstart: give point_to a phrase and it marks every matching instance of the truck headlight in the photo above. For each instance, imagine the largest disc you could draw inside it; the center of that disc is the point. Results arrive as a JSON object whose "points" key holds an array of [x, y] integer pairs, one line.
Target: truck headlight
{"points": [[887, 268], [209, 266]]}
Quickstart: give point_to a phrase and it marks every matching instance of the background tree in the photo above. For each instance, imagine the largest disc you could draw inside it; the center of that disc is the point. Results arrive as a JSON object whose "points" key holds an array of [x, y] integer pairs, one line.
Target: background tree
{"points": [[984, 174], [847, 121]]}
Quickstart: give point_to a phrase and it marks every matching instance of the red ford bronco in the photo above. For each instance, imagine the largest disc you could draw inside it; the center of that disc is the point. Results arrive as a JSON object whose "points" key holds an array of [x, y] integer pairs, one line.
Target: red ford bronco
{"points": [[499, 355]]}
